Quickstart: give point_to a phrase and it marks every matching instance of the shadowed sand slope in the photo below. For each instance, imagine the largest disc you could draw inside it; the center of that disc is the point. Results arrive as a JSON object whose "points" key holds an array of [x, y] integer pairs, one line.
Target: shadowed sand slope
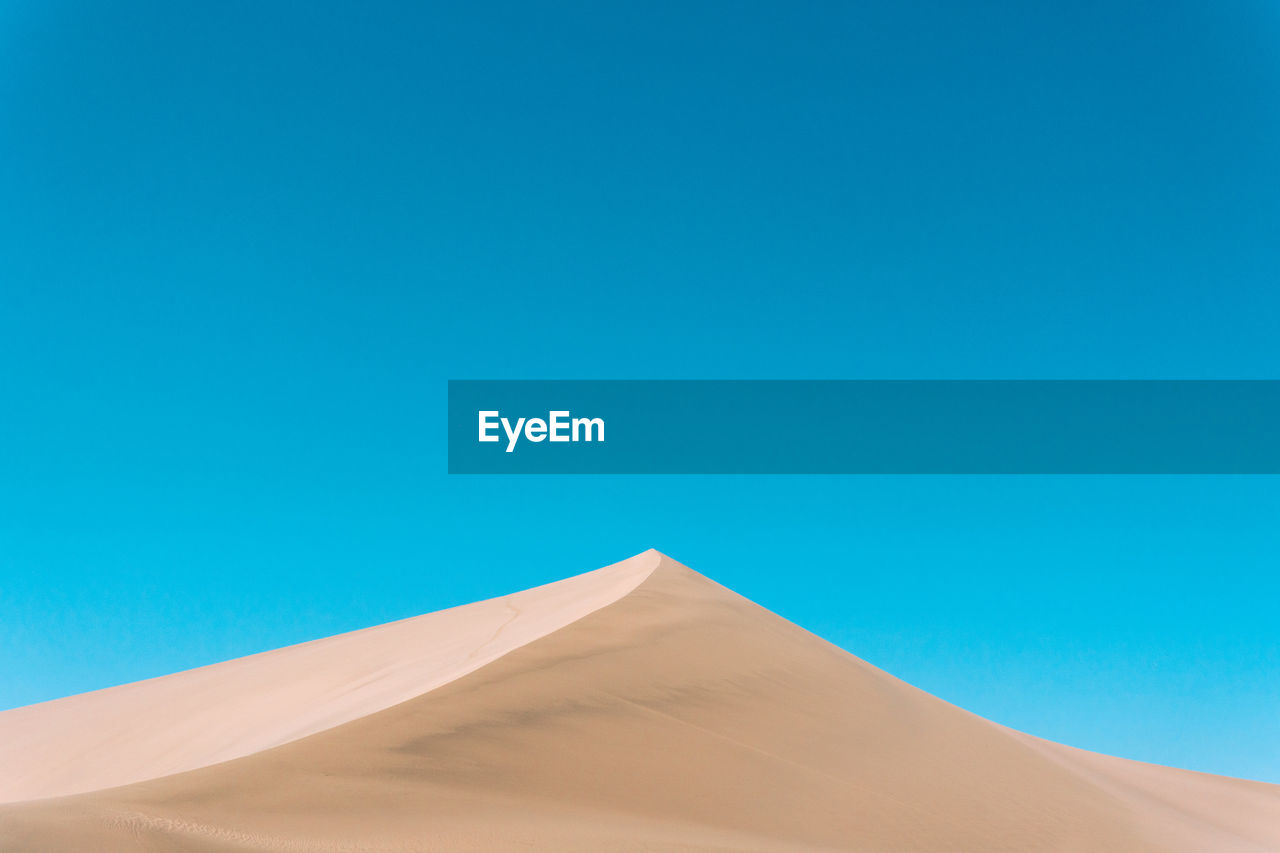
{"points": [[677, 716]]}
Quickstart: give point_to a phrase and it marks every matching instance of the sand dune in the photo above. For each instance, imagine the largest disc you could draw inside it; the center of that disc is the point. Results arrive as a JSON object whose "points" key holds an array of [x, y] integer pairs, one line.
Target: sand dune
{"points": [[641, 707]]}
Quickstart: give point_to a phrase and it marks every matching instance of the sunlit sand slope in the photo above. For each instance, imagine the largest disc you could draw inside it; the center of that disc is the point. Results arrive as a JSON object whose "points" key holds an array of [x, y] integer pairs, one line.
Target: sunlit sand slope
{"points": [[678, 717], [203, 716]]}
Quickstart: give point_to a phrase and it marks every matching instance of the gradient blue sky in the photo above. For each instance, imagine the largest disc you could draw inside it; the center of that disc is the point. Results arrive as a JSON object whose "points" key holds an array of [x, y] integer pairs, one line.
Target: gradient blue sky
{"points": [[243, 246]]}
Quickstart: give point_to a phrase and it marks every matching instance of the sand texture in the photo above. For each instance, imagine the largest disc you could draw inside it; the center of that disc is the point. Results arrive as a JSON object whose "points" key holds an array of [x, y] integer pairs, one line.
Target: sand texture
{"points": [[639, 707]]}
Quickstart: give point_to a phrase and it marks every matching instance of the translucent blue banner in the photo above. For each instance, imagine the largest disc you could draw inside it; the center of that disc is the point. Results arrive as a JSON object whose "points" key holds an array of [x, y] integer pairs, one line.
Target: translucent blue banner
{"points": [[864, 427]]}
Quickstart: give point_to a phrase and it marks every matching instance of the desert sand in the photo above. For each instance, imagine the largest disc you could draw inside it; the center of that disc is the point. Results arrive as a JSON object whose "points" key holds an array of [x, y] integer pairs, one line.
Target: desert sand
{"points": [[638, 707]]}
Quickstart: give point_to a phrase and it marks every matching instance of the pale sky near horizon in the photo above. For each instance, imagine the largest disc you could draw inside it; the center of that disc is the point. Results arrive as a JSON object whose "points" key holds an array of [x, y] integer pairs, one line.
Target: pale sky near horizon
{"points": [[243, 248]]}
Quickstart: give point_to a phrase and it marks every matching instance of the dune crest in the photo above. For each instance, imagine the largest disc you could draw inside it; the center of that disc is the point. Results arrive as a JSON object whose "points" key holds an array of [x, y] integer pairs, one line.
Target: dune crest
{"points": [[675, 716]]}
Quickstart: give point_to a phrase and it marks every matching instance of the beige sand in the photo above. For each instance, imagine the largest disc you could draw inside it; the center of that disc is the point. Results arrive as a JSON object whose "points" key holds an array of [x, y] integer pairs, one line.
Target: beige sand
{"points": [[642, 707]]}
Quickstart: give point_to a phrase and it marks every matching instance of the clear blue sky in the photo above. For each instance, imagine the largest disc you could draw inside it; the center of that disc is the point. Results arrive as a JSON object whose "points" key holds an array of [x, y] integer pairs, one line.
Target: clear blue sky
{"points": [[242, 249]]}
